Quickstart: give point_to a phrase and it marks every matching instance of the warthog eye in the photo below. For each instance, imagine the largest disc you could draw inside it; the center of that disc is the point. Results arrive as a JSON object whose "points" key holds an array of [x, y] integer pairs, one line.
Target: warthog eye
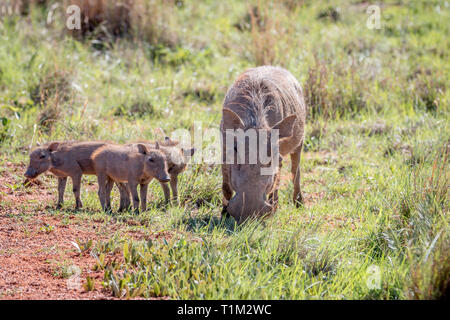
{"points": [[151, 160], [42, 156]]}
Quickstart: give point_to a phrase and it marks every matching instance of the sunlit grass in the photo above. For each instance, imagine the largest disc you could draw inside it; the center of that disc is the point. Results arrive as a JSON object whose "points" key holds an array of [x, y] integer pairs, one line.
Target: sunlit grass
{"points": [[374, 166]]}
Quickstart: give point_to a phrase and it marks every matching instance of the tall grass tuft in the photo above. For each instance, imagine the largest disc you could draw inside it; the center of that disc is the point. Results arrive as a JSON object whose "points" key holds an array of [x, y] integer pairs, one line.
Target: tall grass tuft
{"points": [[426, 224], [335, 89], [150, 22], [428, 90], [265, 33], [54, 84]]}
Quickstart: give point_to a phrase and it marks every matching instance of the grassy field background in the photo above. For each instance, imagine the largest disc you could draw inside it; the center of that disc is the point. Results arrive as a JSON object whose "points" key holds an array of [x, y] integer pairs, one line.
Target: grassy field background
{"points": [[374, 167]]}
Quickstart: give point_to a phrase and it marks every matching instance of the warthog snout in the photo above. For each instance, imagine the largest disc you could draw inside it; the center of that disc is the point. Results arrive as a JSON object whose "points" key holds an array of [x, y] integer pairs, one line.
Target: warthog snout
{"points": [[30, 173], [164, 179], [242, 207]]}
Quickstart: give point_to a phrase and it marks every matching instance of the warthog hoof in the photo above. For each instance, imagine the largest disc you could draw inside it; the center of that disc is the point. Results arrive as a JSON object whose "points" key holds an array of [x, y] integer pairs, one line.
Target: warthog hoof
{"points": [[224, 212], [299, 201]]}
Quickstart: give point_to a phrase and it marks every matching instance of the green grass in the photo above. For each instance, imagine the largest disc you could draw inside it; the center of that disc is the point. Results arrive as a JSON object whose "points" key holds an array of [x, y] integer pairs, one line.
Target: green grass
{"points": [[374, 166]]}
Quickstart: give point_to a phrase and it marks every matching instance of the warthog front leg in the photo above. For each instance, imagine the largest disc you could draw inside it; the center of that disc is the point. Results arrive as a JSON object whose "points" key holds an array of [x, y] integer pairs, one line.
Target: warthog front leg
{"points": [[124, 196], [102, 181], [295, 170], [226, 188], [273, 196], [134, 195], [61, 188], [144, 188], [166, 191], [273, 199], [174, 187], [76, 181], [109, 186]]}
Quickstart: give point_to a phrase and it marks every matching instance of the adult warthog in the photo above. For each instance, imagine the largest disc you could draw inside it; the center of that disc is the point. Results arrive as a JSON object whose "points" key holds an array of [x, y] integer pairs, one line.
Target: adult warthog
{"points": [[263, 121]]}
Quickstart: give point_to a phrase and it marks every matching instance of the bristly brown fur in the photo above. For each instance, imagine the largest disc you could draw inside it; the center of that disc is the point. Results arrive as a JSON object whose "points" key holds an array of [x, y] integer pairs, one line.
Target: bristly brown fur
{"points": [[262, 97]]}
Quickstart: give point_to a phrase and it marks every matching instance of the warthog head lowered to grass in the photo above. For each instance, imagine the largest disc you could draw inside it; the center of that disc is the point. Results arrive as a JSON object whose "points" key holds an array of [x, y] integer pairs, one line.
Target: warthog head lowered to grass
{"points": [[255, 164], [264, 115]]}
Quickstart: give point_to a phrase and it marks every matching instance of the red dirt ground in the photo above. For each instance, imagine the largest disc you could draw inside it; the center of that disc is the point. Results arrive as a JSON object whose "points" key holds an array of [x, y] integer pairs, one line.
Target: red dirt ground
{"points": [[32, 259]]}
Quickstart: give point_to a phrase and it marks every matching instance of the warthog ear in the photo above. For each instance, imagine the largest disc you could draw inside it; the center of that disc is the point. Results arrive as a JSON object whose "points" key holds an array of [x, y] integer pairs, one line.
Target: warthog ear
{"points": [[53, 146], [188, 152], [169, 142], [156, 145], [231, 120], [285, 128], [142, 148]]}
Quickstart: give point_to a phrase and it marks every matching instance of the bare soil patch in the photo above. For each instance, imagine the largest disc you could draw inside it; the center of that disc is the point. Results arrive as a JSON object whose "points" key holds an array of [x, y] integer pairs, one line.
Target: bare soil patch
{"points": [[35, 247]]}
